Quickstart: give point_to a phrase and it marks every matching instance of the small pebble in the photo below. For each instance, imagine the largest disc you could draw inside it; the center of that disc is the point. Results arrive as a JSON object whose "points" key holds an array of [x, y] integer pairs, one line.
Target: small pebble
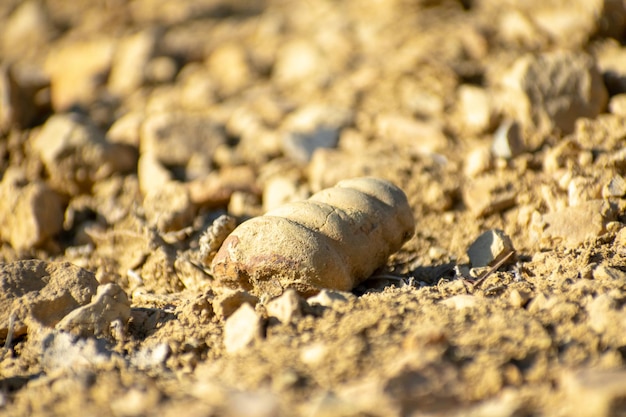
{"points": [[519, 298], [508, 141], [489, 248], [582, 189], [617, 104], [287, 307], [226, 303], [460, 301], [616, 187], [242, 329], [326, 298], [477, 161]]}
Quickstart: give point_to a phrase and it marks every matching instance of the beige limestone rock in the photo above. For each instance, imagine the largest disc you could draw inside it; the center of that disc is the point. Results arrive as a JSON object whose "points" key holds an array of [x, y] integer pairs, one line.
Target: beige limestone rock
{"points": [[553, 90], [227, 302], [475, 109], [77, 70], [571, 226], [37, 293], [486, 195], [180, 139], [109, 307], [77, 154], [287, 307], [489, 248], [169, 207], [30, 213], [129, 61], [242, 328]]}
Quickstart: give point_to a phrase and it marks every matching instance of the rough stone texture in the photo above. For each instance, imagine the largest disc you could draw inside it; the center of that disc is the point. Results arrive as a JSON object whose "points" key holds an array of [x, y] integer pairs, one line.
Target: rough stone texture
{"points": [[572, 226], [553, 90], [489, 248], [213, 237], [216, 189], [110, 306], [242, 328], [30, 213], [152, 175], [38, 293], [76, 153]]}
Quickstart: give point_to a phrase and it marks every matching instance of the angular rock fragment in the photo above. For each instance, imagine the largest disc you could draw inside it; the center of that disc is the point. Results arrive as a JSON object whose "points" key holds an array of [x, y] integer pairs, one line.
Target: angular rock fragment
{"points": [[571, 226], [487, 195], [242, 329], [77, 154], [475, 109], [553, 90], [507, 140], [110, 306], [37, 293], [582, 189], [287, 307], [617, 105], [489, 248], [169, 207], [477, 161], [327, 298], [227, 302], [129, 62], [30, 213], [616, 187]]}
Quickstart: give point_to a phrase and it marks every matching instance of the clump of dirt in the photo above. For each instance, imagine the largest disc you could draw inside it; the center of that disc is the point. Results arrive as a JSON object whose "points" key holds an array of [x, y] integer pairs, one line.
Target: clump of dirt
{"points": [[128, 128]]}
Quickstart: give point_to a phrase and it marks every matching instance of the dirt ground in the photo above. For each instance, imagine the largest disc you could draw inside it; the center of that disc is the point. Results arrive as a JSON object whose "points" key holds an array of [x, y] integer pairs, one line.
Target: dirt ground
{"points": [[127, 128]]}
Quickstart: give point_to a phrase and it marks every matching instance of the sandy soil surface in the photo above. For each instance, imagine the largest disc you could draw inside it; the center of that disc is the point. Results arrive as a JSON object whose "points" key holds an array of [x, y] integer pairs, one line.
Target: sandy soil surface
{"points": [[128, 128]]}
